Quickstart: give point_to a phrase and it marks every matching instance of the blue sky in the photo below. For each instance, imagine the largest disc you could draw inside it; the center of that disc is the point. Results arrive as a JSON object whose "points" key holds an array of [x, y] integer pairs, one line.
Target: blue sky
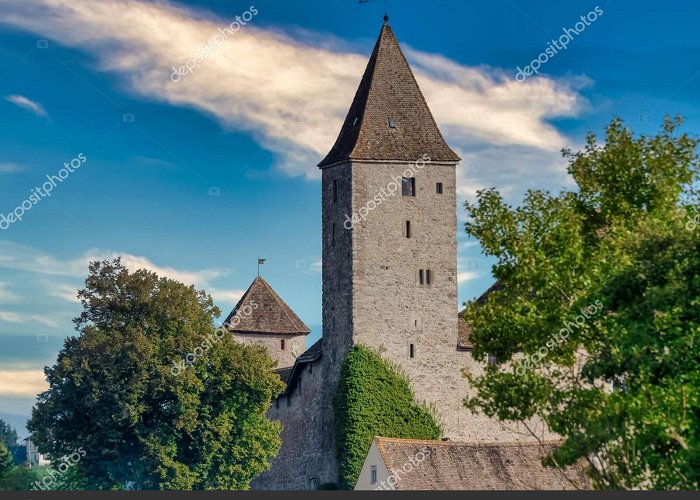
{"points": [[256, 115]]}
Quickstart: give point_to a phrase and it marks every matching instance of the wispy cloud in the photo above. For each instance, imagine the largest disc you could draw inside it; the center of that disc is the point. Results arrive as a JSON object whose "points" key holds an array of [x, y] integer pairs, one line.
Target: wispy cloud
{"points": [[18, 257], [28, 104], [465, 276], [6, 296], [22, 382], [262, 80], [9, 168]]}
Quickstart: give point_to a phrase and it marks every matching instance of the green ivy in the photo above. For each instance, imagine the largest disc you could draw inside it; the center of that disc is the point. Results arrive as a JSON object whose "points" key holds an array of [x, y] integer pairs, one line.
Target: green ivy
{"points": [[374, 399]]}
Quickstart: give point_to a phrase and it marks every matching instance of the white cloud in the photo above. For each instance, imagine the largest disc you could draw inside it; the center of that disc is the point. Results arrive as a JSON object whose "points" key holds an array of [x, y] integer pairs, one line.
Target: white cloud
{"points": [[22, 382], [10, 317], [18, 257], [6, 296], [226, 296], [28, 104], [64, 291], [13, 317], [465, 276], [261, 79], [9, 168]]}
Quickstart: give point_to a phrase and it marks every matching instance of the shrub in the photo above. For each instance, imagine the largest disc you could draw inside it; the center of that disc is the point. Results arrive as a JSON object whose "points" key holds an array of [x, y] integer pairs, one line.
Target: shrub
{"points": [[374, 398]]}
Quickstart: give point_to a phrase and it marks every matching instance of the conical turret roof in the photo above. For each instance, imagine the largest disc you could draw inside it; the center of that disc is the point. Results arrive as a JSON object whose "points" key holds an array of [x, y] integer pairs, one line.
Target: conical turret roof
{"points": [[261, 310], [389, 118]]}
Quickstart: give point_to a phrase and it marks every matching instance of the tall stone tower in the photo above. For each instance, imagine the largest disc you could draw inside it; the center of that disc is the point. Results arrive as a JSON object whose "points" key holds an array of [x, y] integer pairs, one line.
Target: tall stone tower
{"points": [[389, 230]]}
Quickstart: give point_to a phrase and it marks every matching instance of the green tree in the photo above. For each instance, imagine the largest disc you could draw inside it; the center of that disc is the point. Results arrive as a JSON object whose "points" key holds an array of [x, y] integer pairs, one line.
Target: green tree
{"points": [[22, 478], [599, 288], [374, 399], [8, 435], [124, 408], [6, 462]]}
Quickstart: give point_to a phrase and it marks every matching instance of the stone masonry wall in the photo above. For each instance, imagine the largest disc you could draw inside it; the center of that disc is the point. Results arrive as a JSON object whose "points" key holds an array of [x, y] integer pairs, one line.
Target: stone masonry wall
{"points": [[392, 311], [307, 455], [284, 357]]}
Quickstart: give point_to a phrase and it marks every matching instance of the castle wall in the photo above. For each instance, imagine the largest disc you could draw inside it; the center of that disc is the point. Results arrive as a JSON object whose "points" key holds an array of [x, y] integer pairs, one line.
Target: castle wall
{"points": [[284, 357], [307, 455]]}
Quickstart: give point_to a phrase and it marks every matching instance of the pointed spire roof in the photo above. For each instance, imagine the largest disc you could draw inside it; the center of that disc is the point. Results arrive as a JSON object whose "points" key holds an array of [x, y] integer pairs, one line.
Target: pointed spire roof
{"points": [[389, 95], [261, 310]]}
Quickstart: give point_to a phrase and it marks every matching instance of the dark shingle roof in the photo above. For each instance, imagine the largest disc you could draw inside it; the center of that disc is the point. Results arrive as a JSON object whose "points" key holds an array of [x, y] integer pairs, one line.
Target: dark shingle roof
{"points": [[389, 90], [284, 373], [261, 310], [464, 331], [474, 466], [312, 354]]}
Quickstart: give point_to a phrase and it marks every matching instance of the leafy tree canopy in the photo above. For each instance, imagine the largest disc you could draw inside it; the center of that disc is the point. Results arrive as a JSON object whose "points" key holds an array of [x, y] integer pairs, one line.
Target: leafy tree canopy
{"points": [[8, 435], [374, 399], [139, 417], [601, 287], [6, 462]]}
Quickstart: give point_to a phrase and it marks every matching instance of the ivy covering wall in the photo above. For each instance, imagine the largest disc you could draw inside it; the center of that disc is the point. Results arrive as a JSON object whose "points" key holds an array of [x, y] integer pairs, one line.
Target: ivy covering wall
{"points": [[374, 399]]}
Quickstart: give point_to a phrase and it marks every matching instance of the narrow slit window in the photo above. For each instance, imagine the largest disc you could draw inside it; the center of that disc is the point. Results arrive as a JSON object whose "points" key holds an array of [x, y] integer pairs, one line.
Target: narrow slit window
{"points": [[408, 229], [428, 276], [421, 277], [333, 234], [411, 351], [283, 345], [277, 402], [438, 188], [373, 475], [408, 186], [335, 190]]}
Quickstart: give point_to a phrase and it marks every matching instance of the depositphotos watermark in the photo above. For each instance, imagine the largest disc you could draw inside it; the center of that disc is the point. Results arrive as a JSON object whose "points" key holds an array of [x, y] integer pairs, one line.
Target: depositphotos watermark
{"points": [[413, 463], [212, 338], [55, 474], [556, 45], [39, 193], [214, 43], [560, 337], [693, 223], [385, 193]]}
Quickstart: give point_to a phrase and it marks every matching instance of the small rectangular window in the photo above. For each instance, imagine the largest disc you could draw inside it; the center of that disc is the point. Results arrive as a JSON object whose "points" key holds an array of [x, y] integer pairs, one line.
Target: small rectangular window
{"points": [[438, 188], [411, 351], [421, 278], [428, 276], [408, 186], [491, 359], [373, 475], [282, 344], [408, 229], [335, 190], [313, 483]]}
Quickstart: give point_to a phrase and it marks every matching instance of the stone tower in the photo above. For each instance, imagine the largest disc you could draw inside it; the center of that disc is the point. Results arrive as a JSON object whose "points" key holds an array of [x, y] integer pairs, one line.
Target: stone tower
{"points": [[389, 230], [262, 317]]}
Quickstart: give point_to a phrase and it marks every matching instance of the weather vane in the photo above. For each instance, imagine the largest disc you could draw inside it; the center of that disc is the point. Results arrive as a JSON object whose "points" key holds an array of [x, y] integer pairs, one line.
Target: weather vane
{"points": [[386, 8]]}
